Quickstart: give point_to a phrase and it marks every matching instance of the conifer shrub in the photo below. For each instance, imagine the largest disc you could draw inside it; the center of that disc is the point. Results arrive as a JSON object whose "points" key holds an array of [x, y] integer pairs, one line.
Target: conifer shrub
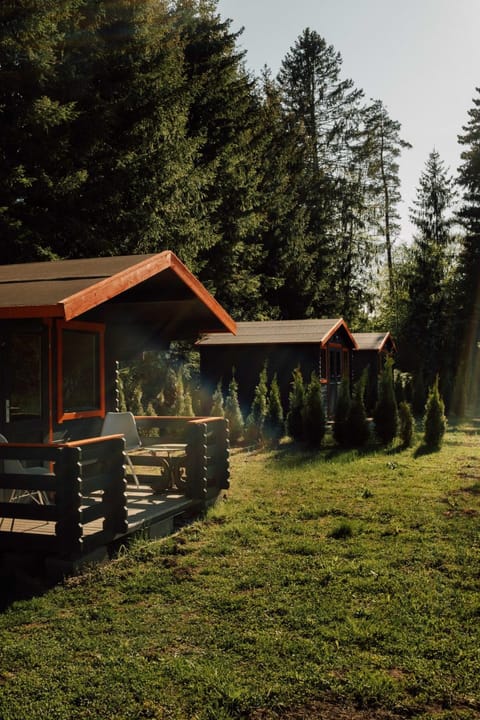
{"points": [[314, 421], [434, 420], [188, 404], [357, 431], [217, 409], [254, 425], [274, 420], [233, 412], [296, 404], [405, 424], [342, 409], [385, 415]]}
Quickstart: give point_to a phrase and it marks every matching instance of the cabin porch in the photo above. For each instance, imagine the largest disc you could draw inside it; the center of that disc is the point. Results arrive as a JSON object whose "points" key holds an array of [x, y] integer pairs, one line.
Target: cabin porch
{"points": [[76, 501]]}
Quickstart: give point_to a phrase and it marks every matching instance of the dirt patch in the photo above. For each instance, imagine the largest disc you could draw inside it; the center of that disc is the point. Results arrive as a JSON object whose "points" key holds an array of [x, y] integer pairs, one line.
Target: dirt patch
{"points": [[322, 711]]}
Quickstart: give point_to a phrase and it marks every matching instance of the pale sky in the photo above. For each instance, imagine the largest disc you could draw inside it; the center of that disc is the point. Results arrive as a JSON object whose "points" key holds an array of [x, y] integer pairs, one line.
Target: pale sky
{"points": [[420, 57]]}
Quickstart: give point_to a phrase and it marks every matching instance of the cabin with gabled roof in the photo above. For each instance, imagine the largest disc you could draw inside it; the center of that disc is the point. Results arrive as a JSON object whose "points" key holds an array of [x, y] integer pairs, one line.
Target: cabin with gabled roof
{"points": [[64, 326], [322, 346]]}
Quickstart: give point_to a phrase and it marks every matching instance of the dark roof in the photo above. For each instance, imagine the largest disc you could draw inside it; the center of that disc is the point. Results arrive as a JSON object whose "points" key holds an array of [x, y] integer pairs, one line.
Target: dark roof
{"points": [[152, 284], [264, 332], [374, 341]]}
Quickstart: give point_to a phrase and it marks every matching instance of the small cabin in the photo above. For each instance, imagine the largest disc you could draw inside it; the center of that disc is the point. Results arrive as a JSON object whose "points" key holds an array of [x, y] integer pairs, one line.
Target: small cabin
{"points": [[321, 346], [64, 326], [373, 348]]}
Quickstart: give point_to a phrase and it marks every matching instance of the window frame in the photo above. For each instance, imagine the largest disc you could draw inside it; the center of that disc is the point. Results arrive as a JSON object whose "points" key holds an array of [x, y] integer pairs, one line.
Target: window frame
{"points": [[98, 330]]}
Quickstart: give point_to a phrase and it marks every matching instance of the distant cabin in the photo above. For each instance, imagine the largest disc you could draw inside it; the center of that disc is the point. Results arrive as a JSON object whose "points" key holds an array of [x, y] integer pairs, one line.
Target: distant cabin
{"points": [[322, 346], [373, 348]]}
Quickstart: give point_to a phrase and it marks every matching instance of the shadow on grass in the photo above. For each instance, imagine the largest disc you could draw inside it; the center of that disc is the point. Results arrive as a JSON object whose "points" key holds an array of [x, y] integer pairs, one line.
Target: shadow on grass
{"points": [[18, 583], [425, 450]]}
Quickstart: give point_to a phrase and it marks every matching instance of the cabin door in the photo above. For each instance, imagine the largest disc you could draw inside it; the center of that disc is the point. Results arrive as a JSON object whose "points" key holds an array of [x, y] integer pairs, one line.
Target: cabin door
{"points": [[23, 404]]}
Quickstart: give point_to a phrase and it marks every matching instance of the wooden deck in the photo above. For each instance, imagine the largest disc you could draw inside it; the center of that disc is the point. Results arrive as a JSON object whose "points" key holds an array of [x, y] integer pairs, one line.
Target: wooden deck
{"points": [[90, 505]]}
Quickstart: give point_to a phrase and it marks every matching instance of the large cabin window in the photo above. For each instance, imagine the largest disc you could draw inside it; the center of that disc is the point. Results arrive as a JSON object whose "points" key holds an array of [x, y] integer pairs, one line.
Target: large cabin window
{"points": [[335, 365], [25, 366], [81, 388]]}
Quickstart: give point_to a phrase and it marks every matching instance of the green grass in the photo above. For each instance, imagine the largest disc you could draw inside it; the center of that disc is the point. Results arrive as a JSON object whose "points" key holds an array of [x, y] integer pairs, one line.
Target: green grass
{"points": [[329, 585]]}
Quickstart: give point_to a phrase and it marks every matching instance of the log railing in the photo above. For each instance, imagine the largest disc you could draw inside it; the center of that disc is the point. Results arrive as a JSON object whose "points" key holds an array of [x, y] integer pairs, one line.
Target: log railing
{"points": [[83, 482]]}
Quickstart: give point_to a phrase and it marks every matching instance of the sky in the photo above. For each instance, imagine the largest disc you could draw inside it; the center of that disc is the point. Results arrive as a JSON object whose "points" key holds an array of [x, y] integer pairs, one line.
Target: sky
{"points": [[420, 57]]}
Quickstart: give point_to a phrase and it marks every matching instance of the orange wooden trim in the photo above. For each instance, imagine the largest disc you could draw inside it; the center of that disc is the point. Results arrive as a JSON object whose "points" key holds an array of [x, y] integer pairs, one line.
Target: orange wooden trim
{"points": [[90, 441], [337, 326], [202, 293], [28, 311], [99, 329], [110, 287]]}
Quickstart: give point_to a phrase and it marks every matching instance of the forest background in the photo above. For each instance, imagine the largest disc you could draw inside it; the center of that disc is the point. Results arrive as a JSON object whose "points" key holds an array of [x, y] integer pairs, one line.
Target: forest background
{"points": [[133, 126]]}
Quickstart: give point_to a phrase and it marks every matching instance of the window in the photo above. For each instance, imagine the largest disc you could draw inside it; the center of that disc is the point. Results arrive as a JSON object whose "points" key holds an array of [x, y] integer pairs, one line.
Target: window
{"points": [[25, 368], [81, 388]]}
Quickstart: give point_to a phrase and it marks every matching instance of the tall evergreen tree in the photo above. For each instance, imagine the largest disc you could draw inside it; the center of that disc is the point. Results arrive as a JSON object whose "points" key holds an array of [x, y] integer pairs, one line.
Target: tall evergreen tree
{"points": [[427, 322], [323, 105], [468, 293]]}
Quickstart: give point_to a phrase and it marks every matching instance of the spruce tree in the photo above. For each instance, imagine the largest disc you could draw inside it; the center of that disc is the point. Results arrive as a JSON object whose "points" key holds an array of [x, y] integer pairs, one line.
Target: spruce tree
{"points": [[467, 299], [385, 415], [314, 421], [296, 404]]}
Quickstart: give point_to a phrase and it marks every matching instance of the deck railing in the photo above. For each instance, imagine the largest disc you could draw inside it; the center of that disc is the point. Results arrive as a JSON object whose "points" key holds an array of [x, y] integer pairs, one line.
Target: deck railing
{"points": [[83, 482]]}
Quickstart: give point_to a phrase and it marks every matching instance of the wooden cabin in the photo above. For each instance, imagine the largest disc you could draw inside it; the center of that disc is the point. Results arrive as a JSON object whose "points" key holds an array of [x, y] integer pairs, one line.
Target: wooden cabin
{"points": [[63, 328], [321, 346], [372, 350]]}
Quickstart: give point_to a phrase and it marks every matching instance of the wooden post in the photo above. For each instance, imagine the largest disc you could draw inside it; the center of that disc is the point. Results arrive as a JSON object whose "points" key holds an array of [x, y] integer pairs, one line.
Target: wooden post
{"points": [[68, 529], [115, 493], [196, 462], [223, 440]]}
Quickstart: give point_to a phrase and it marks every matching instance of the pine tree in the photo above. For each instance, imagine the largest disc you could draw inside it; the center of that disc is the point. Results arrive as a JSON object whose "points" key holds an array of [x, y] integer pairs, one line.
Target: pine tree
{"points": [[314, 421], [296, 404], [385, 415]]}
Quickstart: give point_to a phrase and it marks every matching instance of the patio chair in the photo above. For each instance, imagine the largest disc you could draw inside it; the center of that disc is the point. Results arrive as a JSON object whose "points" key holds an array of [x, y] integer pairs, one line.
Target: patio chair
{"points": [[123, 423], [16, 467]]}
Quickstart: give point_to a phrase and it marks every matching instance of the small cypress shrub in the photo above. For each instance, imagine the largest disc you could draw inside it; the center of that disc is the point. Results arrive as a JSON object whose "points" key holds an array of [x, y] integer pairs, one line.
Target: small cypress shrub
{"points": [[357, 431], [255, 422], [342, 409], [434, 420], [405, 424], [385, 415], [314, 421], [217, 409], [274, 422], [188, 404], [296, 404], [233, 412]]}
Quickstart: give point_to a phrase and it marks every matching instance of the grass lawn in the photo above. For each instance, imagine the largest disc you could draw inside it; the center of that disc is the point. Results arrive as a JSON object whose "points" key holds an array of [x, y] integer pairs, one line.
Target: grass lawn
{"points": [[327, 585]]}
